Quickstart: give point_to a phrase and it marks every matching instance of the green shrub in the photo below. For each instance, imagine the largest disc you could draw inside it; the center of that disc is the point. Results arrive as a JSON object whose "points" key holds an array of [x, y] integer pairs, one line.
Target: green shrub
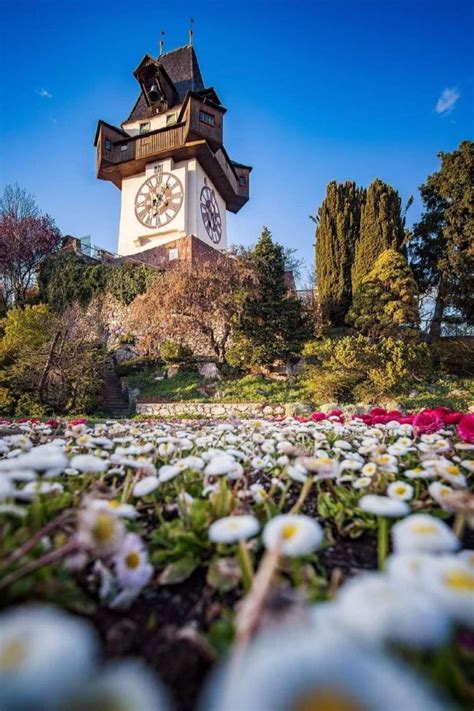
{"points": [[134, 365], [354, 368], [173, 352], [454, 357]]}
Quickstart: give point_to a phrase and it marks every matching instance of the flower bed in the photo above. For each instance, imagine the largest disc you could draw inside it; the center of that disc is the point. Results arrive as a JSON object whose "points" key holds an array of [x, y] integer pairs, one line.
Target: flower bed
{"points": [[329, 558]]}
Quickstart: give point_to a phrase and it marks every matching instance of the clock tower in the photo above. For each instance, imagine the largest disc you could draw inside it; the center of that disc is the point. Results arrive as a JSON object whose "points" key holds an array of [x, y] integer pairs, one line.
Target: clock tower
{"points": [[169, 162]]}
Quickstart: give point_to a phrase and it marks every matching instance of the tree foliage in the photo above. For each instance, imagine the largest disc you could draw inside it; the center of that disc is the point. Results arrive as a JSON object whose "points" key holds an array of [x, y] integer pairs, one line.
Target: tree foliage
{"points": [[27, 238], [382, 227], [386, 303], [49, 363], [200, 302], [442, 248], [273, 326], [338, 225]]}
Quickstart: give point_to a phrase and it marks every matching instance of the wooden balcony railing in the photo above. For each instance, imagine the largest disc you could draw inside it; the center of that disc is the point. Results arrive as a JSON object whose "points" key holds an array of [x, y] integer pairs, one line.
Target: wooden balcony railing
{"points": [[149, 144]]}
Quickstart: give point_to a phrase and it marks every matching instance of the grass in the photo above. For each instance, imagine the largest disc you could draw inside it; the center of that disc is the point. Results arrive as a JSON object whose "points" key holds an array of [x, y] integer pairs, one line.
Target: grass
{"points": [[458, 394]]}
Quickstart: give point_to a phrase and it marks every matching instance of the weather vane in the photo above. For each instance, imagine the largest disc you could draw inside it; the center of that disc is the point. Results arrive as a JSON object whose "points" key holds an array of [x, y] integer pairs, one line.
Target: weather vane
{"points": [[191, 22], [162, 42]]}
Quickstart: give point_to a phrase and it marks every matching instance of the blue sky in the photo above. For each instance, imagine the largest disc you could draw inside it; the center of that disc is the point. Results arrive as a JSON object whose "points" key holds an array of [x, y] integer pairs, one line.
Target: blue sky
{"points": [[315, 91]]}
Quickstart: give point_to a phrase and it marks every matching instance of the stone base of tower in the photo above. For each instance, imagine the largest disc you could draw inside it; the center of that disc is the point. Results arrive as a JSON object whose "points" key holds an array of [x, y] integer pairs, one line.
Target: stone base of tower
{"points": [[185, 249]]}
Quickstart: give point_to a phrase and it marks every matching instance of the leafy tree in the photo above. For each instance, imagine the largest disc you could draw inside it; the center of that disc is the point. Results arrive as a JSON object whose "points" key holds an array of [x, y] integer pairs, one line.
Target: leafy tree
{"points": [[49, 363], [382, 226], [338, 225], [442, 248], [27, 238], [194, 305], [386, 303], [273, 326]]}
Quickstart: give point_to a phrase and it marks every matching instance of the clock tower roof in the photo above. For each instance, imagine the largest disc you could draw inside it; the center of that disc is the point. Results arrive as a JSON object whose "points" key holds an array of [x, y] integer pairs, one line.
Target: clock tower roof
{"points": [[180, 66]]}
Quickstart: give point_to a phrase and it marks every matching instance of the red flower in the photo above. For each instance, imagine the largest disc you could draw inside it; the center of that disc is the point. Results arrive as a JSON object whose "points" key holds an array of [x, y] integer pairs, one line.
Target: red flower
{"points": [[53, 423], [318, 416], [428, 421], [78, 421], [453, 418], [466, 428], [378, 411]]}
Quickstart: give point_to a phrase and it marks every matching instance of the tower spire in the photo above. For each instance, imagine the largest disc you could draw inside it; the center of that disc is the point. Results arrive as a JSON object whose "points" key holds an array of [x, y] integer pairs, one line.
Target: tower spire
{"points": [[162, 41], [190, 31]]}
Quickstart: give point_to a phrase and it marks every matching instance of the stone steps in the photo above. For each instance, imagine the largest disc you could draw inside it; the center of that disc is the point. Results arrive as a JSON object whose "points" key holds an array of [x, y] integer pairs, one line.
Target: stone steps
{"points": [[114, 400]]}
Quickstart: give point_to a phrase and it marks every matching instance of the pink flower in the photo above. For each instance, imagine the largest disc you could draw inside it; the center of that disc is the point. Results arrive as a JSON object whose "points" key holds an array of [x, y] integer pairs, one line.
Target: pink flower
{"points": [[428, 421], [466, 428], [318, 416]]}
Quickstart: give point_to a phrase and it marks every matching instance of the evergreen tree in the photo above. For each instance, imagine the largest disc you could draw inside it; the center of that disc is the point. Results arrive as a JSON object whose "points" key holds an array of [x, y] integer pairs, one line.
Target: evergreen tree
{"points": [[273, 326], [338, 224], [381, 227], [386, 303], [442, 248]]}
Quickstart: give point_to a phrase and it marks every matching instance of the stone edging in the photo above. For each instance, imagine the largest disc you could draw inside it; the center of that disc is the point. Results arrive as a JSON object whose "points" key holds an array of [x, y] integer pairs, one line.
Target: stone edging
{"points": [[209, 409]]}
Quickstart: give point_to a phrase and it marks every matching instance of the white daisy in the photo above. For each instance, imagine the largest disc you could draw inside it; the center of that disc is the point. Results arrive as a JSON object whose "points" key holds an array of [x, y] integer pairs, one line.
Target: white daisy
{"points": [[131, 563], [293, 534], [383, 506], [233, 528], [423, 533], [400, 490]]}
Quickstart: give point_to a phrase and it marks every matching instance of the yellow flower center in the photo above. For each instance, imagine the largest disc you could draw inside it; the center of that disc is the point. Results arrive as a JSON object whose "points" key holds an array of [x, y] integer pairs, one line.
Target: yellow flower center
{"points": [[460, 581], [289, 531], [104, 528], [453, 469], [113, 503], [12, 654], [133, 560], [326, 700], [424, 528], [400, 490]]}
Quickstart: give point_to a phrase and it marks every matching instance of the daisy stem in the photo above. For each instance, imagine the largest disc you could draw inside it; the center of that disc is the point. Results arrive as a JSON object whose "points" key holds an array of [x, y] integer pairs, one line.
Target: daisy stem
{"points": [[382, 541], [245, 566], [48, 559], [60, 520], [126, 485], [283, 496], [459, 524], [305, 489]]}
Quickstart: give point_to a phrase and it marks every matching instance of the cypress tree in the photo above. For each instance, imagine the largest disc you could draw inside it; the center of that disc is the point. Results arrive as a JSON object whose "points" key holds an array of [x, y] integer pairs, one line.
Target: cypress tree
{"points": [[381, 227], [338, 224], [386, 303]]}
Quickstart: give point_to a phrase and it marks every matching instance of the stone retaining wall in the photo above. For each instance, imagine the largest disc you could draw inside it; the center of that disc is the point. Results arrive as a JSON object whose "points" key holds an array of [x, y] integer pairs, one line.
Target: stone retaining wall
{"points": [[210, 409]]}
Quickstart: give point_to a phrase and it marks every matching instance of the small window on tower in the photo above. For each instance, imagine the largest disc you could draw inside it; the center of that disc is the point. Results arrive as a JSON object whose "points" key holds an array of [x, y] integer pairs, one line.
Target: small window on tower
{"points": [[108, 144], [173, 254], [242, 181], [144, 127], [124, 147], [205, 117], [171, 119]]}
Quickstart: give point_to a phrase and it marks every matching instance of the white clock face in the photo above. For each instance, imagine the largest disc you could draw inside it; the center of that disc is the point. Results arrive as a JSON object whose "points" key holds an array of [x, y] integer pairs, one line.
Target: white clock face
{"points": [[159, 200]]}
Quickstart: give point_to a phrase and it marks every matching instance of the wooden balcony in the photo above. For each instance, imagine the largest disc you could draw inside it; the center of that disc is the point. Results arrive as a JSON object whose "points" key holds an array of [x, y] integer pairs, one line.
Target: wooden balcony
{"points": [[120, 155]]}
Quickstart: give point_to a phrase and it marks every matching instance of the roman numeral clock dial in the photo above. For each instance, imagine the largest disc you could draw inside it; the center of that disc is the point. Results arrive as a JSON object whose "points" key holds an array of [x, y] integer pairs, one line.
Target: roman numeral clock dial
{"points": [[159, 200], [210, 214]]}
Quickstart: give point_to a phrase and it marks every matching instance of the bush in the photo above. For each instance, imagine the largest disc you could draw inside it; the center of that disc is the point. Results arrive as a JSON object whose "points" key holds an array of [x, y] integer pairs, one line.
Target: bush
{"points": [[454, 357], [173, 352], [355, 368], [137, 364]]}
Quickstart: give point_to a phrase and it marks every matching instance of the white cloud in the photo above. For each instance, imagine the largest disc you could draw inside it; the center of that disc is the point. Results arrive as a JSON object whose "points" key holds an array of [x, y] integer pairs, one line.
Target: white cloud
{"points": [[44, 93], [447, 101]]}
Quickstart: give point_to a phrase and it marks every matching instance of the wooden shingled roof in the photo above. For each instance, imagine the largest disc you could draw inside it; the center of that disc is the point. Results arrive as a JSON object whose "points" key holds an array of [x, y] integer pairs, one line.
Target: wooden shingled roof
{"points": [[182, 67]]}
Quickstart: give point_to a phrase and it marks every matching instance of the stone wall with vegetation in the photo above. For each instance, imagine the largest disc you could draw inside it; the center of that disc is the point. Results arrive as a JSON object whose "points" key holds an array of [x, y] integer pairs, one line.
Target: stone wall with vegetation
{"points": [[208, 409]]}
